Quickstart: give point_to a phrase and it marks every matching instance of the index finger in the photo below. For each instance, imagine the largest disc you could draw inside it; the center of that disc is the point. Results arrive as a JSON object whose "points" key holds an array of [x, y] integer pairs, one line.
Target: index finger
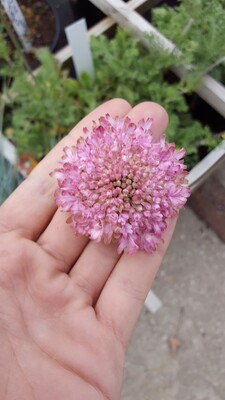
{"points": [[30, 208]]}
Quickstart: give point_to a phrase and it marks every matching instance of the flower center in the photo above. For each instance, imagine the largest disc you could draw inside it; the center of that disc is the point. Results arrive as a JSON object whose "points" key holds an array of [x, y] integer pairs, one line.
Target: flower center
{"points": [[127, 190], [125, 187]]}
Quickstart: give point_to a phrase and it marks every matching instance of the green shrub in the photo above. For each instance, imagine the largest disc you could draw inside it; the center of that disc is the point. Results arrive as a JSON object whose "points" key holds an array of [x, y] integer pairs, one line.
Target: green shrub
{"points": [[197, 27], [125, 69], [41, 109]]}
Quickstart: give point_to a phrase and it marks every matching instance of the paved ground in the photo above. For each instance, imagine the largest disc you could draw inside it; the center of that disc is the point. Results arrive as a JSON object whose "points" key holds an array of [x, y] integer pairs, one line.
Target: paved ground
{"points": [[191, 285]]}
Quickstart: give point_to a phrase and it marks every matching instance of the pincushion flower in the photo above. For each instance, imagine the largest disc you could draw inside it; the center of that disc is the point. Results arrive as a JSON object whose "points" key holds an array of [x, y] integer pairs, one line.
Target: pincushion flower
{"points": [[118, 184]]}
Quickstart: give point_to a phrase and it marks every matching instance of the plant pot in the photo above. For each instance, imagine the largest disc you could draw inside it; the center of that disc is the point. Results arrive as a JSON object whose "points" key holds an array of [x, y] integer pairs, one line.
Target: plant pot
{"points": [[64, 16], [42, 21], [57, 25], [208, 201], [84, 9], [46, 20]]}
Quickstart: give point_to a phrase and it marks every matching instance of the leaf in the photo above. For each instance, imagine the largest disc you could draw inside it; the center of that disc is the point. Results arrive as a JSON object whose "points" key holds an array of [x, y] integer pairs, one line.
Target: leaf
{"points": [[198, 30]]}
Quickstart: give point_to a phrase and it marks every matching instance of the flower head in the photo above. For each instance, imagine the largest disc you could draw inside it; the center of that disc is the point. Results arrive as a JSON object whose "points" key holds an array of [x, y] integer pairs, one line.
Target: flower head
{"points": [[120, 185]]}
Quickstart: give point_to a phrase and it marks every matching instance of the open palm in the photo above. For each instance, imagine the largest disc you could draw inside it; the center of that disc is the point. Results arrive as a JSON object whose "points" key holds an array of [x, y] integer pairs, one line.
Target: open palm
{"points": [[67, 305]]}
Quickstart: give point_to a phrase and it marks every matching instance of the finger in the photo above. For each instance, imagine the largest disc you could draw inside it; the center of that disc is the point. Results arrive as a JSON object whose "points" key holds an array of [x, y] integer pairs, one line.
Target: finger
{"points": [[93, 269], [123, 296], [30, 208], [98, 260], [60, 241]]}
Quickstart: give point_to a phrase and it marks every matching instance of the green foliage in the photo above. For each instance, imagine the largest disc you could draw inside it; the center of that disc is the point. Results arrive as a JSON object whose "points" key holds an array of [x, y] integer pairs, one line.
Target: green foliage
{"points": [[42, 107], [12, 63], [218, 73], [125, 69], [4, 49], [197, 27]]}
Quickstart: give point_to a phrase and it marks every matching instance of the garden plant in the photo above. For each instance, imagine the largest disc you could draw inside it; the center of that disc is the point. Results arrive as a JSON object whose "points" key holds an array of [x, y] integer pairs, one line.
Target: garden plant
{"points": [[40, 108], [197, 27]]}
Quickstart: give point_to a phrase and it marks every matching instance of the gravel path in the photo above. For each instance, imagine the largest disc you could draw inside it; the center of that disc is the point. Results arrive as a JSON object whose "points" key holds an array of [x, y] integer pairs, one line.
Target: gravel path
{"points": [[191, 285]]}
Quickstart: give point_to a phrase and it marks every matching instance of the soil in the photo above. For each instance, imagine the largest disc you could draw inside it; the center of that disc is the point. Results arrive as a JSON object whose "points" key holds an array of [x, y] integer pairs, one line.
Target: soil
{"points": [[85, 9], [41, 23], [202, 111], [40, 20]]}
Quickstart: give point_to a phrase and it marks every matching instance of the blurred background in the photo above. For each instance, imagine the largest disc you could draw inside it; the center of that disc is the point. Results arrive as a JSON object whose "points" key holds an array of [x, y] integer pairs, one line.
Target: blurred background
{"points": [[59, 59]]}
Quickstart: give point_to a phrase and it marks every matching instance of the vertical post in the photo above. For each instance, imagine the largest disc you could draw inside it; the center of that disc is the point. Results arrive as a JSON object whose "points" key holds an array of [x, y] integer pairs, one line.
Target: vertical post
{"points": [[77, 36]]}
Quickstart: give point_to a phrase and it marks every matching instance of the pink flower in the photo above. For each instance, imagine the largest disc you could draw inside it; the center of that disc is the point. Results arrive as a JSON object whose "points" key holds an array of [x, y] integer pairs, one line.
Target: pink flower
{"points": [[120, 185]]}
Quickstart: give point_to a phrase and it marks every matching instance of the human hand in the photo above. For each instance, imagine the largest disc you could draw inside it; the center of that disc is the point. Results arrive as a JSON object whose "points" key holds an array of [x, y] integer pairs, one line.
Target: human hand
{"points": [[67, 305]]}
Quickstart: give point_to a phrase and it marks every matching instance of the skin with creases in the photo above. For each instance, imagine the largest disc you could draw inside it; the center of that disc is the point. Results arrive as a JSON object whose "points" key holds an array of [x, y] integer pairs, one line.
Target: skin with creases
{"points": [[67, 305]]}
